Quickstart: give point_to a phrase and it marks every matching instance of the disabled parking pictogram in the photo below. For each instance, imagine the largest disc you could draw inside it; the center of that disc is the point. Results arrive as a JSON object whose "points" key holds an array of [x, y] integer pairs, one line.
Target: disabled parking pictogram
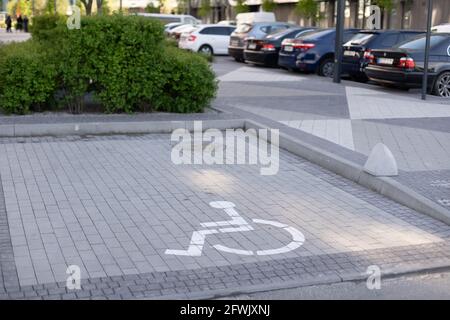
{"points": [[236, 224]]}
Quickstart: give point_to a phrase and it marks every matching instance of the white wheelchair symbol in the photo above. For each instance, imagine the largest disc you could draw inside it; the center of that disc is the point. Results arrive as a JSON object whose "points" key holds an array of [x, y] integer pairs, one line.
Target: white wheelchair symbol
{"points": [[236, 224]]}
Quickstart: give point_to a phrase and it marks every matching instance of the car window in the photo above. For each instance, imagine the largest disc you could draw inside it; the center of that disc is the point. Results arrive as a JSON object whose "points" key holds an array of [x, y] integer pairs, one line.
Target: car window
{"points": [[265, 29], [243, 28], [407, 36], [389, 40], [230, 30], [419, 44], [222, 31]]}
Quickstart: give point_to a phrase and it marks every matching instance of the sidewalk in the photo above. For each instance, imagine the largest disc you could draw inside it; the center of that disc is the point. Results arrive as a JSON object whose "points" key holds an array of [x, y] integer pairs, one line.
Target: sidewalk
{"points": [[348, 120], [13, 36]]}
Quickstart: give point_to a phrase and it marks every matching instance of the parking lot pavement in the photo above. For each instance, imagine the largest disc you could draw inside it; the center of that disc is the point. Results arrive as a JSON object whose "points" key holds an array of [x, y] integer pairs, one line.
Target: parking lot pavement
{"points": [[351, 117], [114, 205]]}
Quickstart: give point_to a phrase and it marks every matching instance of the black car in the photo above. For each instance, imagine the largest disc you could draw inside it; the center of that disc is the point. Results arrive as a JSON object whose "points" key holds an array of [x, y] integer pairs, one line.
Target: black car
{"points": [[403, 65], [258, 30], [265, 51], [359, 47]]}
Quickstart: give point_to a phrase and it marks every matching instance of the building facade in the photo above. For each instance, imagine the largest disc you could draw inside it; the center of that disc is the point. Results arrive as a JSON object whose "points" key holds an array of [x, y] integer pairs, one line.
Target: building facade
{"points": [[405, 14]]}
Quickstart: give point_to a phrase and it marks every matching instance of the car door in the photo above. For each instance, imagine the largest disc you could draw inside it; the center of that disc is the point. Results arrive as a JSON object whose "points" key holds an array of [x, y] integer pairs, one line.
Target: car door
{"points": [[207, 37], [220, 37]]}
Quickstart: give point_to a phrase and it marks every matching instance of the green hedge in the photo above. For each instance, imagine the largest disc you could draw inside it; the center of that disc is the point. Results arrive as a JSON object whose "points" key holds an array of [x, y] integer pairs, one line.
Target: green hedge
{"points": [[123, 60], [27, 78]]}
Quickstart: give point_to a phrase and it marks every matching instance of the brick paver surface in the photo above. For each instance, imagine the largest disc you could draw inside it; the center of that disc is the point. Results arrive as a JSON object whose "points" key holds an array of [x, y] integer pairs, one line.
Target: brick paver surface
{"points": [[352, 118], [114, 204]]}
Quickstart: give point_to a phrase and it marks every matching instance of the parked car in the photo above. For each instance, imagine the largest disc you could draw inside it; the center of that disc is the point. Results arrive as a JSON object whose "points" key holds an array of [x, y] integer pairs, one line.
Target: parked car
{"points": [[227, 23], [356, 51], [168, 18], [441, 28], [402, 66], [255, 17], [245, 31], [312, 53], [171, 26], [265, 51], [176, 32], [208, 39]]}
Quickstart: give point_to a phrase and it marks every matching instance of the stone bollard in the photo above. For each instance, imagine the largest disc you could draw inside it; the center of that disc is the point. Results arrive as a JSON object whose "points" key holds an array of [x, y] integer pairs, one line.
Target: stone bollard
{"points": [[381, 162]]}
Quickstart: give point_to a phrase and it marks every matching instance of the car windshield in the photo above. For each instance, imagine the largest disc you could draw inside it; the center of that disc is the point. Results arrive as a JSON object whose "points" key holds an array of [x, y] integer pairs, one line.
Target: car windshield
{"points": [[243, 28], [360, 38], [419, 44]]}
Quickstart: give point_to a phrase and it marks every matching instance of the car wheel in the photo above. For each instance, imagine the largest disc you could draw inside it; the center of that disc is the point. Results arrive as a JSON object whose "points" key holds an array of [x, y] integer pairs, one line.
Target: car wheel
{"points": [[326, 68], [206, 49], [442, 85]]}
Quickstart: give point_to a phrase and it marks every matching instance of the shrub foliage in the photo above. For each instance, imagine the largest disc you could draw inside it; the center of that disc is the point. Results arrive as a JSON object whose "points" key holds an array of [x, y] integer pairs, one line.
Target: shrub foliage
{"points": [[124, 61]]}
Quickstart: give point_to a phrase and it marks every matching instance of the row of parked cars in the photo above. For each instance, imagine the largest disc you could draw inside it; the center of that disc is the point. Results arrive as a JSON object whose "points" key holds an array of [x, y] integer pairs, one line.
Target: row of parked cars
{"points": [[388, 57]]}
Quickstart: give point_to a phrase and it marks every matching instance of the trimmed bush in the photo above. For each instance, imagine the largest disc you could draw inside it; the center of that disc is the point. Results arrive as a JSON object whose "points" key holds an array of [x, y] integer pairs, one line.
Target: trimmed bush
{"points": [[27, 78], [124, 61], [189, 82], [43, 27]]}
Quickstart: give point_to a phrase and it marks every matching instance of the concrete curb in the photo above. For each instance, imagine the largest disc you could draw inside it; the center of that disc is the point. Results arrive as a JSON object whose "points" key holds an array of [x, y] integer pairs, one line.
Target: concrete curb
{"points": [[352, 171], [115, 127], [387, 273]]}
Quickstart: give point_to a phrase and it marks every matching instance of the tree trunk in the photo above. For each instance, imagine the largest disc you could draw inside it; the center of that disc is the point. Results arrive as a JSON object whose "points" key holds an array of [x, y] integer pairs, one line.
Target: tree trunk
{"points": [[88, 6], [99, 7]]}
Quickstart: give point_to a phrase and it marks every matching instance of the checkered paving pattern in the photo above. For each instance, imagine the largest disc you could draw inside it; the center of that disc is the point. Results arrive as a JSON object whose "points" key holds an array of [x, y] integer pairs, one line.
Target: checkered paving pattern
{"points": [[113, 205], [351, 115]]}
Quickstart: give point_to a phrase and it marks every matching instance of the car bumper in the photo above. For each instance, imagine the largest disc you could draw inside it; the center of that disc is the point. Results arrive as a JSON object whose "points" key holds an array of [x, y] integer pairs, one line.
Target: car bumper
{"points": [[236, 52], [352, 69], [399, 78], [261, 57], [186, 45], [306, 67], [287, 60]]}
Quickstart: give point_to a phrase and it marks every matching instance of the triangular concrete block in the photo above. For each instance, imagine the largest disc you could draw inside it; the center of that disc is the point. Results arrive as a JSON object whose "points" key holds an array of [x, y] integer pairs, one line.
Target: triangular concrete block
{"points": [[381, 162]]}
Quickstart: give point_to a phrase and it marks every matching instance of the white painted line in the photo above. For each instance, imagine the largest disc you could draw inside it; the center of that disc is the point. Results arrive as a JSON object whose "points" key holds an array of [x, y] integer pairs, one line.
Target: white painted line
{"points": [[271, 223], [236, 251]]}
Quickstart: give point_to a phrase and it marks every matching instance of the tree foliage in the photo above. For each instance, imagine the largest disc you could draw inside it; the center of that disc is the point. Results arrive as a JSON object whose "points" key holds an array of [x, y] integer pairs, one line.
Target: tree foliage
{"points": [[307, 9], [241, 7], [150, 8], [205, 8], [387, 5], [268, 5]]}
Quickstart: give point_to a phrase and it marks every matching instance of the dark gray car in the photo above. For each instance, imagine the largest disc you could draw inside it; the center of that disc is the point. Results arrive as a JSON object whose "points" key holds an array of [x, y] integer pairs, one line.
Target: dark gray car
{"points": [[254, 31]]}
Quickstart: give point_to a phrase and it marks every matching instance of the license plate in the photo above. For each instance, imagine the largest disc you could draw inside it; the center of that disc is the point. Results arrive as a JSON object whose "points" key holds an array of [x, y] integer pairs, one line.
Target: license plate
{"points": [[349, 53], [288, 48], [252, 46], [385, 61]]}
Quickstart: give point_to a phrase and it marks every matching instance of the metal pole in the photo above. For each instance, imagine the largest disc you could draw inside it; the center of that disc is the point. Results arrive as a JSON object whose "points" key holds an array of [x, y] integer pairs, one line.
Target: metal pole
{"points": [[339, 40], [427, 51], [55, 7], [120, 6]]}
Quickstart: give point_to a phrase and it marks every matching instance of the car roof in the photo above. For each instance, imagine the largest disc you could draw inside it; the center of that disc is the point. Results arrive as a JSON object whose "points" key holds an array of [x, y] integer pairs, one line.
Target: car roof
{"points": [[257, 24], [391, 31], [215, 25]]}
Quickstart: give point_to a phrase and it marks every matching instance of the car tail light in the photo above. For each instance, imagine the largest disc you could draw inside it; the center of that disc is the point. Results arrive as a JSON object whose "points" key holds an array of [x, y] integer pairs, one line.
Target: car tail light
{"points": [[268, 47], [192, 38], [304, 46], [407, 63], [369, 56], [287, 41]]}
